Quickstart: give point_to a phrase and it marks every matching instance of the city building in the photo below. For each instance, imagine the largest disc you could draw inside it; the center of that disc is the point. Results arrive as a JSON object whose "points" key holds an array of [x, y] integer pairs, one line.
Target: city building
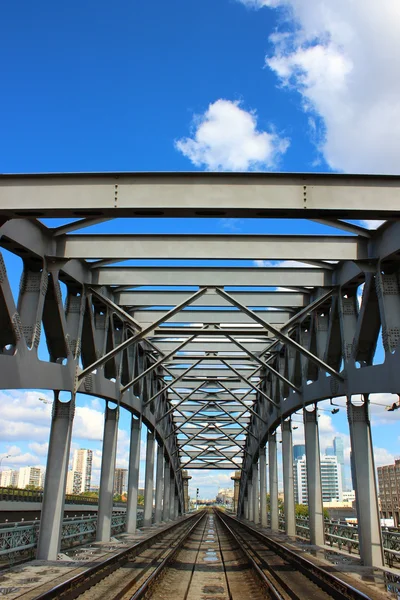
{"points": [[30, 476], [349, 496], [330, 451], [338, 447], [225, 496], [82, 463], [120, 481], [389, 491], [9, 478], [298, 451], [331, 480], [74, 482]]}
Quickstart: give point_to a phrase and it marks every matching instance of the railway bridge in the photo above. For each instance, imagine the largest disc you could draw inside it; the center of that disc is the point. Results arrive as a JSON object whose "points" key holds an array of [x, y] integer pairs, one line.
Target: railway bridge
{"points": [[211, 359]]}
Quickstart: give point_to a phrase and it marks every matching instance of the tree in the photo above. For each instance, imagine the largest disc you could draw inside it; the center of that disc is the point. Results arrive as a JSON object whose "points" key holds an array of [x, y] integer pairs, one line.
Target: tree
{"points": [[281, 505]]}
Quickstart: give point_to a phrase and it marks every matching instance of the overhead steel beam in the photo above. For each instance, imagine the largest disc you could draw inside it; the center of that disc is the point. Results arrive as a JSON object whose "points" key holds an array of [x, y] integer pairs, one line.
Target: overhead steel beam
{"points": [[284, 338], [250, 384], [157, 298], [243, 195], [215, 247], [155, 365], [264, 364], [248, 332], [136, 338], [254, 277], [210, 316], [171, 383]]}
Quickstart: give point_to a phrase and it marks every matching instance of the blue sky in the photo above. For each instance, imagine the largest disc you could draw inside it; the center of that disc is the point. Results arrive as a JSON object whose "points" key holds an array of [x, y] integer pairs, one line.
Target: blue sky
{"points": [[290, 85]]}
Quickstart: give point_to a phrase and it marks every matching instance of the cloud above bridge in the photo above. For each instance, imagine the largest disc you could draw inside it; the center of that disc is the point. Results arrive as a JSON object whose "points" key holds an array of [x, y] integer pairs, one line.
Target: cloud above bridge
{"points": [[342, 59], [226, 138]]}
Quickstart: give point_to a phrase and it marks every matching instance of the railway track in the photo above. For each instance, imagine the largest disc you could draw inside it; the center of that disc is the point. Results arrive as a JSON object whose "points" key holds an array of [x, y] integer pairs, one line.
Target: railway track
{"points": [[284, 573], [209, 556], [128, 573]]}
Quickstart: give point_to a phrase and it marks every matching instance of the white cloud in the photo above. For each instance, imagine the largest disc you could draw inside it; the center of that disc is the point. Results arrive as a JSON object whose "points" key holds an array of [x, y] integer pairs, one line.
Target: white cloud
{"points": [[226, 138], [343, 58]]}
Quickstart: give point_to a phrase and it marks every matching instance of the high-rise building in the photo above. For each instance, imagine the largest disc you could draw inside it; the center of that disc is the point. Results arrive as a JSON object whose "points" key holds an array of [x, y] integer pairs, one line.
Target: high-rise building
{"points": [[30, 476], [338, 447], [331, 481], [330, 451], [74, 482], [389, 491], [120, 481], [353, 471], [9, 478], [298, 451], [82, 463]]}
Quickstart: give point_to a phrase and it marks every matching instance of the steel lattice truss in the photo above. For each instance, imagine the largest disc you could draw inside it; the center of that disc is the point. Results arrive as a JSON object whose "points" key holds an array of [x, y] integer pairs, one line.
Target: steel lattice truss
{"points": [[213, 358]]}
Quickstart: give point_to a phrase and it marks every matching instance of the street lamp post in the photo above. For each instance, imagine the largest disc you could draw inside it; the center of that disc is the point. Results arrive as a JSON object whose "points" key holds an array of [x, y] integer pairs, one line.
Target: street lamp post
{"points": [[1, 460]]}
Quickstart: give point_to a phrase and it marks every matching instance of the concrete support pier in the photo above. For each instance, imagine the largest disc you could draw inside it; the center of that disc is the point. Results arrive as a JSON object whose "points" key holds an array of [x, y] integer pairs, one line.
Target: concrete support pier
{"points": [[369, 527], [273, 482], [236, 489], [288, 482], [149, 481], [314, 488], [133, 476], [185, 479], [108, 458], [56, 479]]}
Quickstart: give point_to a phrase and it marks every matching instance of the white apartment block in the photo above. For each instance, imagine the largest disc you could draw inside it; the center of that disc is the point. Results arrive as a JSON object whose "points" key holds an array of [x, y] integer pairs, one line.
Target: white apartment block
{"points": [[9, 478], [331, 479], [74, 482], [82, 463], [30, 476]]}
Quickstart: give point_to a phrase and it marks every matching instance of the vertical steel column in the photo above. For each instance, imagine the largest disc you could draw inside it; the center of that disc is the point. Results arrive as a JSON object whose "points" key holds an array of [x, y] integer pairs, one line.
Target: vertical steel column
{"points": [[369, 527], [133, 475], [263, 487], [314, 488], [172, 496], [250, 496], [149, 481], [246, 508], [256, 494], [176, 514], [288, 483], [273, 481], [159, 483], [56, 479], [108, 458], [167, 491]]}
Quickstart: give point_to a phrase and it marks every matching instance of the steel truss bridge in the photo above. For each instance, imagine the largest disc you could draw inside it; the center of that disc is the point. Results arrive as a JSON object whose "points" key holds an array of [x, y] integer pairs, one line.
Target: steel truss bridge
{"points": [[212, 359]]}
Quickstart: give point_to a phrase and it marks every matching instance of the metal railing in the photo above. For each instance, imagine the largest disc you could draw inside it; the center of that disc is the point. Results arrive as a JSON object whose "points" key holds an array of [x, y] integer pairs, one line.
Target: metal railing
{"points": [[18, 541], [19, 495], [345, 537]]}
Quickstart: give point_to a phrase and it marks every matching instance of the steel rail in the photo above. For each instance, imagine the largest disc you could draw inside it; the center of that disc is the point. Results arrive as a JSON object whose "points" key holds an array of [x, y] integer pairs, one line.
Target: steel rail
{"points": [[273, 591], [331, 584], [77, 584]]}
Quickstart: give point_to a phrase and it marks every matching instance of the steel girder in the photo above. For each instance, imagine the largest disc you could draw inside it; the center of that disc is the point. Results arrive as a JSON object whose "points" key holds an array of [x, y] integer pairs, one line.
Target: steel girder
{"points": [[210, 369]]}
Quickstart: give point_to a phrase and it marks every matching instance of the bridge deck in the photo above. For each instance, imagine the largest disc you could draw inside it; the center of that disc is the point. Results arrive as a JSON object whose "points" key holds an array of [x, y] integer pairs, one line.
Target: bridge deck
{"points": [[208, 562]]}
